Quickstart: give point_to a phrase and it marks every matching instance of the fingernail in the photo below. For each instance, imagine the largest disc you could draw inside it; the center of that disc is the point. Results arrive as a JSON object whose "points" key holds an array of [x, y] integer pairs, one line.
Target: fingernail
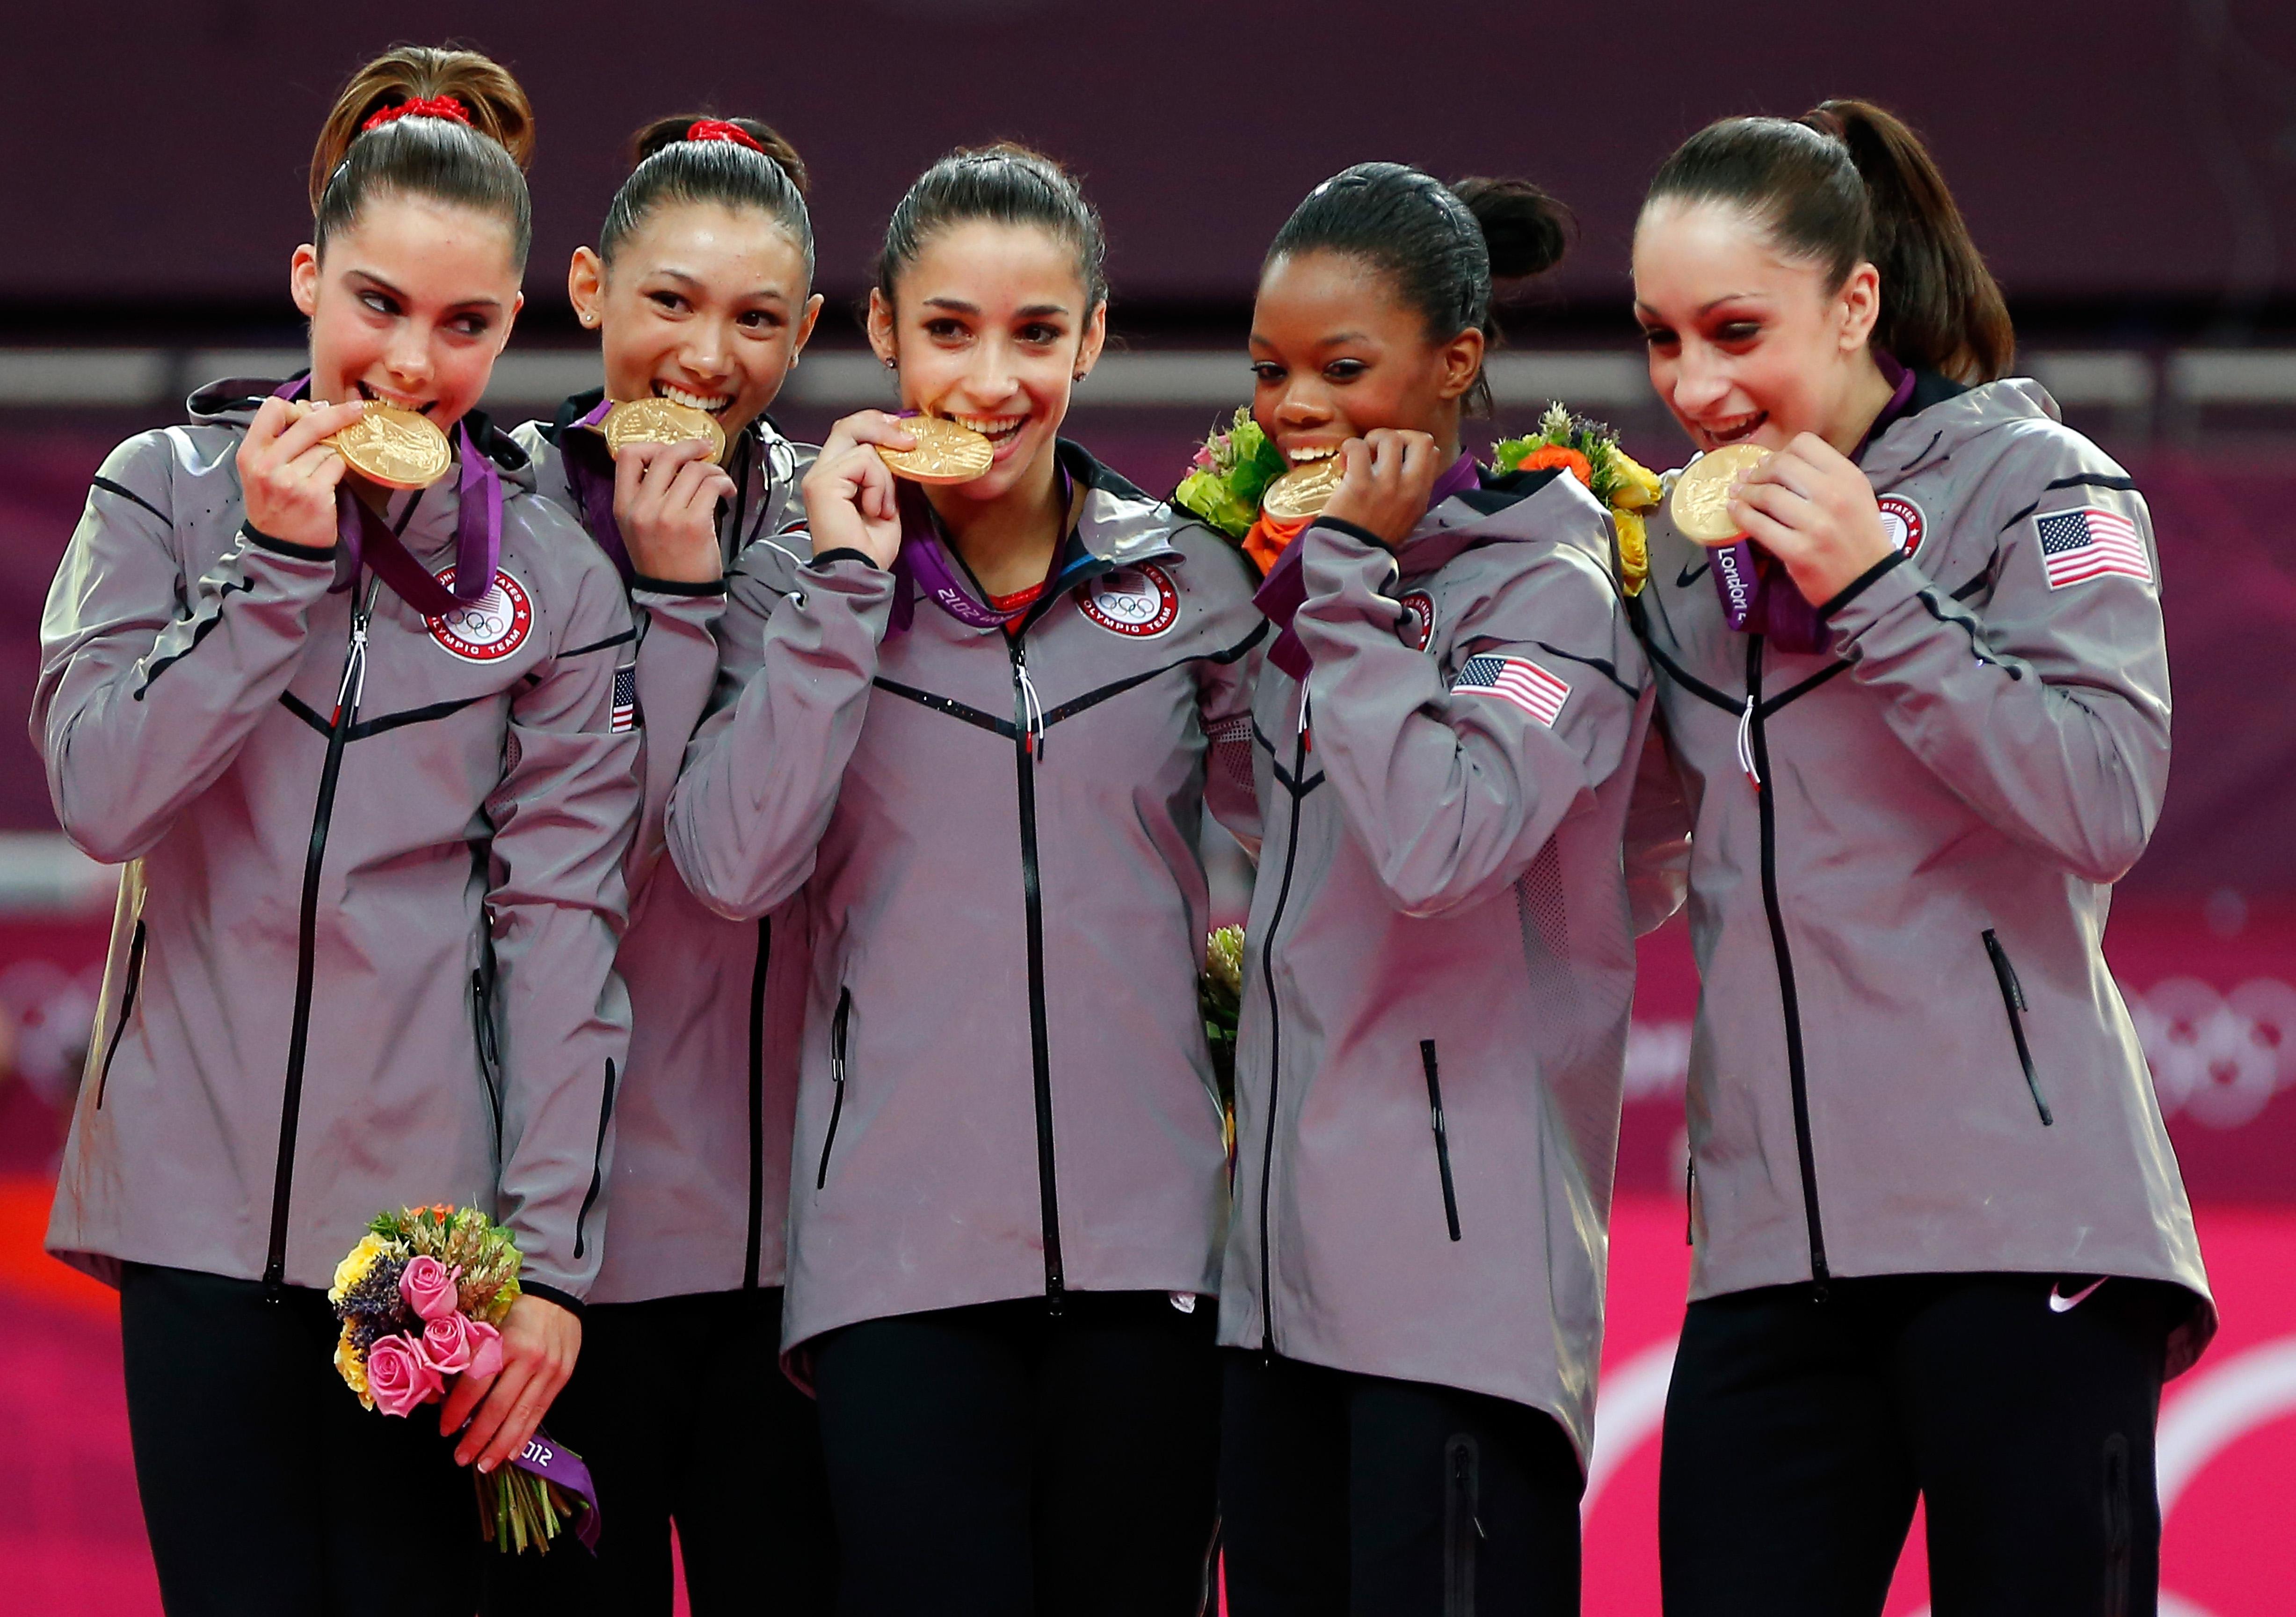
{"points": [[485, 1467]]}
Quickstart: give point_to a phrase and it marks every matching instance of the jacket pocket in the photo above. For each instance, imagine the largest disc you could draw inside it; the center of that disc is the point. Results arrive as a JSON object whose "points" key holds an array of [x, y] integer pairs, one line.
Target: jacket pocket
{"points": [[1463, 1526], [2013, 1001], [129, 983], [1442, 1138], [837, 1025]]}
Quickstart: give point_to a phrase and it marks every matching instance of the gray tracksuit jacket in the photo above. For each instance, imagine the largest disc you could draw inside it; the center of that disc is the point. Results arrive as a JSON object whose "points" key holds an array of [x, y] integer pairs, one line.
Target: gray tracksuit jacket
{"points": [[1004, 1089], [1909, 1053], [363, 951], [701, 1173], [1439, 962]]}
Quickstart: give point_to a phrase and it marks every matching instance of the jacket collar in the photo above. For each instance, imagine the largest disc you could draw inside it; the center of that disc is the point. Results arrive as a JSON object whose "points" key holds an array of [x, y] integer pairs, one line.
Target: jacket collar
{"points": [[1544, 507], [1945, 416]]}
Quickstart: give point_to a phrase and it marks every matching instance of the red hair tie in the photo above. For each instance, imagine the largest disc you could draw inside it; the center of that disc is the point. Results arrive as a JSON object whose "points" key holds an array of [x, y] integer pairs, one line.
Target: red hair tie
{"points": [[717, 128], [429, 106]]}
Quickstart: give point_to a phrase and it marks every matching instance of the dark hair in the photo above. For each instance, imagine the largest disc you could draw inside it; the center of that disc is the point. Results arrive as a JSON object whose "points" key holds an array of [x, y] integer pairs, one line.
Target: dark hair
{"points": [[667, 165], [1004, 185], [1443, 246], [1846, 183], [480, 164]]}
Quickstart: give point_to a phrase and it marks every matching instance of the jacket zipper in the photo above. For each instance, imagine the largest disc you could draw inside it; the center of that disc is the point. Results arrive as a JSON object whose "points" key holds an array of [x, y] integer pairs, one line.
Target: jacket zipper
{"points": [[322, 813], [1029, 714], [2012, 1000], [754, 1251], [1797, 1076], [134, 975], [482, 1000], [837, 1085], [1275, 1034], [1442, 1139]]}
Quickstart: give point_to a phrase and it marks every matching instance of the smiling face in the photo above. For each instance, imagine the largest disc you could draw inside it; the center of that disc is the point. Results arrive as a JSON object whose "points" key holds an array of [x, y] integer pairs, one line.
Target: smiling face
{"points": [[1746, 344], [411, 305], [989, 326], [1334, 354], [703, 305]]}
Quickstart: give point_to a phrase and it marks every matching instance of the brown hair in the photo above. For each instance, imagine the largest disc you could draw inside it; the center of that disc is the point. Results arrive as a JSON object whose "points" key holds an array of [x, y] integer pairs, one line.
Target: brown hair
{"points": [[480, 164], [668, 166], [1848, 183], [1004, 183]]}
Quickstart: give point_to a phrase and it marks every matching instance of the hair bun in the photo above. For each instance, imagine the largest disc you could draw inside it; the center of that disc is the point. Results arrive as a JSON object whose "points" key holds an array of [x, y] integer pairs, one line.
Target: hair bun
{"points": [[1525, 230], [763, 138]]}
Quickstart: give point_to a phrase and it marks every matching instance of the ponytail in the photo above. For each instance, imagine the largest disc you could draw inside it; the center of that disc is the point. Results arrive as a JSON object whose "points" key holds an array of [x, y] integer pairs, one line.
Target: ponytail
{"points": [[1442, 246], [735, 162], [1848, 183], [449, 125]]}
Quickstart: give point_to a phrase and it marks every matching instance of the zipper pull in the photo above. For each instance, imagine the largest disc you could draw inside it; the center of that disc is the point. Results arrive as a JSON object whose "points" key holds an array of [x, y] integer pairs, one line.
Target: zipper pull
{"points": [[1306, 743], [1746, 745], [1032, 711], [353, 685]]}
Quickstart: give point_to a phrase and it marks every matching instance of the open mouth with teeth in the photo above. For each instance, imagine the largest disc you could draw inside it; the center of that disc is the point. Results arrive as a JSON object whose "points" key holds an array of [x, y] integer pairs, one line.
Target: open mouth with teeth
{"points": [[1002, 432], [1734, 430], [1308, 455], [368, 391], [712, 404]]}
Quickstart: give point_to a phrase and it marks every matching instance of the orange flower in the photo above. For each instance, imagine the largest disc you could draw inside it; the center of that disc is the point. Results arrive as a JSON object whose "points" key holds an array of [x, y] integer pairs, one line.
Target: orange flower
{"points": [[1267, 538], [1558, 455]]}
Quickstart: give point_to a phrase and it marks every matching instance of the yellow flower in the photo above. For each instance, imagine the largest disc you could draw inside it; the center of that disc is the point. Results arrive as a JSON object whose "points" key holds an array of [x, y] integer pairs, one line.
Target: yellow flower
{"points": [[1634, 550], [352, 1366], [353, 1269], [1637, 486]]}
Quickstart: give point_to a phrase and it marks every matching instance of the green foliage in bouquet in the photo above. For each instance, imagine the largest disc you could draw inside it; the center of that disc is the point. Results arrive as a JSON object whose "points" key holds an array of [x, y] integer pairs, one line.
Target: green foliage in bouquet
{"points": [[1230, 473], [1220, 996]]}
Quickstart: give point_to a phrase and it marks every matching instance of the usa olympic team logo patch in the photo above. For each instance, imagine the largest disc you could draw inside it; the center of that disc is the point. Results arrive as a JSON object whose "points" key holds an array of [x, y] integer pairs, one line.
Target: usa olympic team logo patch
{"points": [[1141, 601], [1418, 628], [489, 629], [1901, 520]]}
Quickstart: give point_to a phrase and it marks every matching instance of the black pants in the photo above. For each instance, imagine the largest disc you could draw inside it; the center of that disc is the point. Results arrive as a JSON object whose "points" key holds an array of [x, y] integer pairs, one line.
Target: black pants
{"points": [[1799, 1432], [680, 1409], [267, 1488], [1347, 1493], [1002, 1460]]}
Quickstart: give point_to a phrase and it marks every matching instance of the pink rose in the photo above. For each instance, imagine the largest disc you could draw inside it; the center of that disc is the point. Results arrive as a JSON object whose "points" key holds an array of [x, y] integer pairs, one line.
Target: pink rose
{"points": [[430, 1287], [399, 1378], [486, 1349], [447, 1345]]}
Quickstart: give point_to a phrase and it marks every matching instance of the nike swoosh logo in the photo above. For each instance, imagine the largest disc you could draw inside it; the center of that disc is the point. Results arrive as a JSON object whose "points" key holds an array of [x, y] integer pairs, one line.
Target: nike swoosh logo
{"points": [[2059, 1303], [1689, 576]]}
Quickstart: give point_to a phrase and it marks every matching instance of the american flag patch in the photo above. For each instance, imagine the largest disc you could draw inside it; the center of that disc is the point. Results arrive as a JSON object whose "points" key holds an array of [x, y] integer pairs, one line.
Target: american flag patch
{"points": [[1515, 679], [626, 699], [2078, 546]]}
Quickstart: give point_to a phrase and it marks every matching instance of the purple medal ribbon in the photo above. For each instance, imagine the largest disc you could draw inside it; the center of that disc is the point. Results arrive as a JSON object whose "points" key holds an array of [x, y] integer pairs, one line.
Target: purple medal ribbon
{"points": [[923, 561], [367, 540], [596, 490], [1284, 590], [551, 1460], [1759, 600]]}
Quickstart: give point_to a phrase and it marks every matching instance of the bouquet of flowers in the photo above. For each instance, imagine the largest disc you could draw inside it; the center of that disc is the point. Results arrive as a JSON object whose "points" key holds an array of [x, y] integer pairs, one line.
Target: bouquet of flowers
{"points": [[421, 1298], [1590, 452], [1220, 996], [1228, 476]]}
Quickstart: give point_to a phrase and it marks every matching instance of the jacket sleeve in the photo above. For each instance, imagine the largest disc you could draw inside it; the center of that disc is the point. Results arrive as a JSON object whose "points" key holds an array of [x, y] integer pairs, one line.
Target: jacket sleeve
{"points": [[2048, 714], [150, 681], [676, 670], [762, 776], [1224, 687], [1657, 853], [1452, 792], [562, 816]]}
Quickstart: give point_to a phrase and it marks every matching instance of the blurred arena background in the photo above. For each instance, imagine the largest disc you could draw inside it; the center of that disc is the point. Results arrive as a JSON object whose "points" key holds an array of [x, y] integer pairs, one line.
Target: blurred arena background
{"points": [[2130, 169]]}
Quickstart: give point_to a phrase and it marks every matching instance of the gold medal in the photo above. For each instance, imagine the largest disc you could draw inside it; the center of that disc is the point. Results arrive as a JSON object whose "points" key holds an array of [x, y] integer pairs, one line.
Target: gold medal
{"points": [[1303, 491], [659, 421], [1701, 502], [397, 448], [945, 452]]}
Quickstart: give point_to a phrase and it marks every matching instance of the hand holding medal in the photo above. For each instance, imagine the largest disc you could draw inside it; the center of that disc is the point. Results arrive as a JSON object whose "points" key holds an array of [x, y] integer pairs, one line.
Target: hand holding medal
{"points": [[289, 468], [850, 500], [1808, 505], [1386, 479]]}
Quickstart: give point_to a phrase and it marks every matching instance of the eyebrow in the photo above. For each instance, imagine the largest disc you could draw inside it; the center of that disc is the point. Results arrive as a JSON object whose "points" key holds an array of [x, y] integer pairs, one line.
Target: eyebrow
{"points": [[1034, 311], [381, 284], [683, 278]]}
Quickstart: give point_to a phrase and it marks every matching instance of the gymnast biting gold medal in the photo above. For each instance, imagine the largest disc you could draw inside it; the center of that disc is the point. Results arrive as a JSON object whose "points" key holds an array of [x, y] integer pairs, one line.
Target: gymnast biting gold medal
{"points": [[1701, 502], [660, 421], [945, 453]]}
